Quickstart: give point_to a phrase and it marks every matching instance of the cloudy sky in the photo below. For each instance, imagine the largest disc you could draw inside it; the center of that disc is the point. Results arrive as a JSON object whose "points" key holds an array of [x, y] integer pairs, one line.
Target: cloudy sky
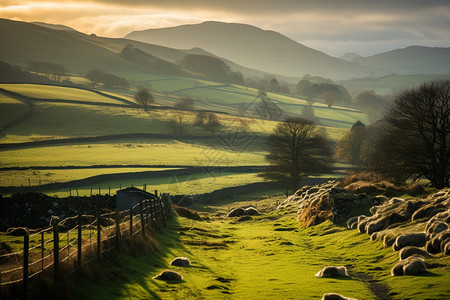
{"points": [[334, 26]]}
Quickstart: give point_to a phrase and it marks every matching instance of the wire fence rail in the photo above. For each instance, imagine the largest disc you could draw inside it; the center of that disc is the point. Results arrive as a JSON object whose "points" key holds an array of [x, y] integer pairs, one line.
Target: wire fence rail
{"points": [[68, 245]]}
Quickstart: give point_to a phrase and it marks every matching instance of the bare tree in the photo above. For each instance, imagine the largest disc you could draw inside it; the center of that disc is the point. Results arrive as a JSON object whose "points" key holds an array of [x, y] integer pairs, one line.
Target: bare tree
{"points": [[143, 98], [212, 123], [200, 118], [308, 112], [297, 149], [185, 103], [177, 122], [415, 142], [351, 148]]}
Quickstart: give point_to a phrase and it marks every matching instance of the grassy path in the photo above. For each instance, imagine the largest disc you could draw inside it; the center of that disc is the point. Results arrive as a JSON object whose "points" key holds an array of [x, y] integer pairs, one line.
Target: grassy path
{"points": [[267, 257]]}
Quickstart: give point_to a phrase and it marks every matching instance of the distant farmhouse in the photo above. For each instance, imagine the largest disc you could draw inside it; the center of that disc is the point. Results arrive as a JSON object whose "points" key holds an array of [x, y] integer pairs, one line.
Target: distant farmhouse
{"points": [[129, 197]]}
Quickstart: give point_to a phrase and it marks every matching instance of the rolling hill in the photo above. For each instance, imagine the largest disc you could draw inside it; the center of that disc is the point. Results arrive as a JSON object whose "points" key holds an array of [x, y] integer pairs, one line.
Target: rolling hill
{"points": [[253, 47], [410, 60], [77, 52]]}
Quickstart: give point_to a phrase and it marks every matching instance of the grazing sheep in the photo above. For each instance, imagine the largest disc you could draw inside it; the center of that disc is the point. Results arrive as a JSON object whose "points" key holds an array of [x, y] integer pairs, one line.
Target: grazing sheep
{"points": [[252, 211], [332, 272], [409, 251], [396, 200], [437, 244], [442, 216], [428, 211], [447, 249], [411, 266], [415, 266], [376, 225], [237, 212], [362, 226], [373, 210], [352, 221], [434, 228], [412, 239], [168, 275], [374, 236], [388, 240], [333, 296], [180, 262], [187, 213]]}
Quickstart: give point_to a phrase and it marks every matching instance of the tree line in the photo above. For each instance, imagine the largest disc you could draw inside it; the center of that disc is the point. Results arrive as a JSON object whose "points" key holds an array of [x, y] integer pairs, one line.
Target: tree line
{"points": [[410, 142], [107, 80]]}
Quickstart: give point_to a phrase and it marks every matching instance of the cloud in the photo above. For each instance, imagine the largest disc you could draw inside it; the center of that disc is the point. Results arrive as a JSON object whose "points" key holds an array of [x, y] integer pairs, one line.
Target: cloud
{"points": [[320, 22]]}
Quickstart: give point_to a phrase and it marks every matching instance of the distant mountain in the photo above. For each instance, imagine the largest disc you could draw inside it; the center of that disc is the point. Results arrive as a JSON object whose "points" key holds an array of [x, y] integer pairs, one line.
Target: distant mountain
{"points": [[253, 47], [54, 26], [410, 60], [349, 56]]}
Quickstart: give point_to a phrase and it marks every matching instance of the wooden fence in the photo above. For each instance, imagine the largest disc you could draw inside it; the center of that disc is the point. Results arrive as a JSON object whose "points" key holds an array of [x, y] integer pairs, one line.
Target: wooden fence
{"points": [[70, 244]]}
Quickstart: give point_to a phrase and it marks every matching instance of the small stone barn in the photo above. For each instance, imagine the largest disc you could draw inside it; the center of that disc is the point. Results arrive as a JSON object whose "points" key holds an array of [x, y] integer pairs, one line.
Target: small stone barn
{"points": [[129, 197]]}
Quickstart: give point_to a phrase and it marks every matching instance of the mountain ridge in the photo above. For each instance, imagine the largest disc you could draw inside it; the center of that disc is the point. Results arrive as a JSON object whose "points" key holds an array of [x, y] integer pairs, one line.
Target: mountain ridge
{"points": [[260, 49]]}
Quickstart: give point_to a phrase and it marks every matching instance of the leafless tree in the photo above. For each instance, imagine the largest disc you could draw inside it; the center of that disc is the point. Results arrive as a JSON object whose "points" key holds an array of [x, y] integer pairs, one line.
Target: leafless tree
{"points": [[212, 123], [143, 98], [297, 149], [415, 142]]}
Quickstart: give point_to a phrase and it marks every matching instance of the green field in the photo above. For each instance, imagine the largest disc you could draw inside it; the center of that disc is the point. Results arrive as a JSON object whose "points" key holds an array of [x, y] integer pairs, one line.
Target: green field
{"points": [[93, 115], [267, 257], [11, 109]]}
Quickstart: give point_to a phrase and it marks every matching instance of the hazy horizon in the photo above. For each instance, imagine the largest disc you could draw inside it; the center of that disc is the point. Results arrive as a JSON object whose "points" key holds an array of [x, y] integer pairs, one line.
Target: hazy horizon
{"points": [[366, 28]]}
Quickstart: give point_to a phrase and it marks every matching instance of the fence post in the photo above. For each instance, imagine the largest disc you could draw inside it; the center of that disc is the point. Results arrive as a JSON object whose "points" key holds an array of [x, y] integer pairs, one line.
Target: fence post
{"points": [[80, 238], [99, 238], [161, 210], [56, 250], [26, 248], [42, 250], [117, 217], [131, 222], [151, 214], [141, 204]]}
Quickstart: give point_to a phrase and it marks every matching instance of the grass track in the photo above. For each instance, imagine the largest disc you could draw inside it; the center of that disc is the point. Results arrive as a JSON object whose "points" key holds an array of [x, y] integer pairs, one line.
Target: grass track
{"points": [[265, 258]]}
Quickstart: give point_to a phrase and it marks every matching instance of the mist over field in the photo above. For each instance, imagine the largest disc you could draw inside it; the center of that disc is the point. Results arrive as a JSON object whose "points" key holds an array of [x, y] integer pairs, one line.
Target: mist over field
{"points": [[235, 150]]}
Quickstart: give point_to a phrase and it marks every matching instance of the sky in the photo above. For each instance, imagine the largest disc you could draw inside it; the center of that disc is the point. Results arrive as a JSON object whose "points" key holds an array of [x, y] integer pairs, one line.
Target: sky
{"points": [[335, 27]]}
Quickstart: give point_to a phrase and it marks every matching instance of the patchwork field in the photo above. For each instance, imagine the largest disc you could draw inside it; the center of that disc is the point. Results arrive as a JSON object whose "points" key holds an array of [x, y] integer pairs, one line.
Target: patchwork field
{"points": [[69, 113]]}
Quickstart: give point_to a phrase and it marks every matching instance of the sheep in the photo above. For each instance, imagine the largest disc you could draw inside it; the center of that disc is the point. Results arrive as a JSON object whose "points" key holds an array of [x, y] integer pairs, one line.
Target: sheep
{"points": [[410, 266], [409, 251], [388, 240], [442, 216], [428, 211], [352, 221], [412, 239], [332, 272], [237, 212], [180, 262], [333, 296], [437, 244], [252, 211], [432, 229], [362, 225], [168, 275]]}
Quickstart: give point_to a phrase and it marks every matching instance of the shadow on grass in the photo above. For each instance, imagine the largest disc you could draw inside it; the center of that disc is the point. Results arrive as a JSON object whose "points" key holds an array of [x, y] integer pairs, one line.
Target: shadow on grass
{"points": [[137, 271]]}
